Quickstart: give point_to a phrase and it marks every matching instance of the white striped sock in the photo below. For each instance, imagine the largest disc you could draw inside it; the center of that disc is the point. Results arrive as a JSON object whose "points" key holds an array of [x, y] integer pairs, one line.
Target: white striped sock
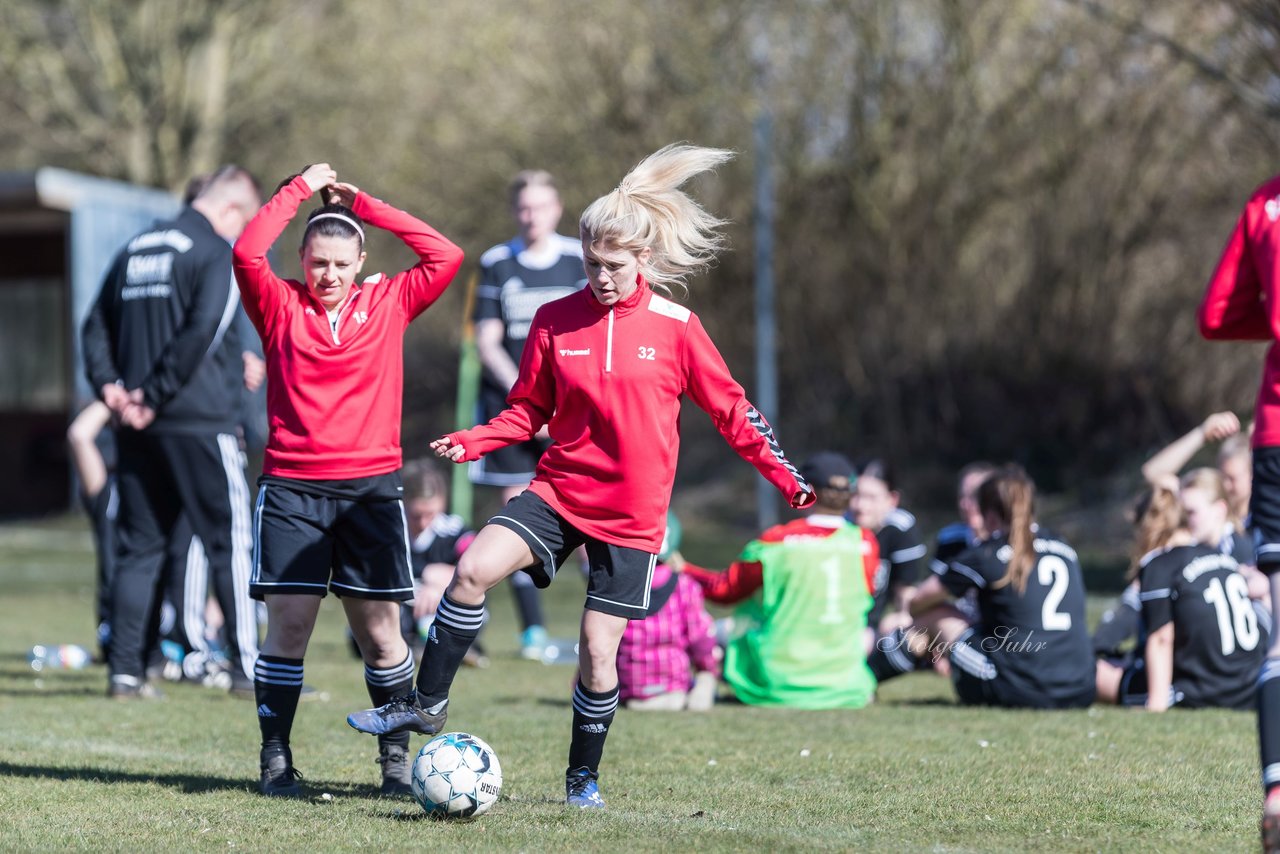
{"points": [[588, 707], [391, 675]]}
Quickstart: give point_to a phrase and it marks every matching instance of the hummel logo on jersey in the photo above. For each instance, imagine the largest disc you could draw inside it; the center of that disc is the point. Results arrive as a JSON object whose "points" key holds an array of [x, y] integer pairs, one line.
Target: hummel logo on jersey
{"points": [[311, 311], [264, 711], [1273, 209], [586, 352], [596, 729], [361, 316]]}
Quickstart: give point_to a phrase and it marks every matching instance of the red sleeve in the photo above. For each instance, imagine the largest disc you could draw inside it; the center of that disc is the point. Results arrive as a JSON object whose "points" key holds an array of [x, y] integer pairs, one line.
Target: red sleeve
{"points": [[870, 559], [529, 406], [439, 259], [261, 291], [738, 582], [709, 383], [1232, 308]]}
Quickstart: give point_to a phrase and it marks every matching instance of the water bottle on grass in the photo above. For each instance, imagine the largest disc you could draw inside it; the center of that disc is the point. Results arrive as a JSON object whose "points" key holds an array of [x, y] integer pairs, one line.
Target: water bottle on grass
{"points": [[65, 656], [560, 651]]}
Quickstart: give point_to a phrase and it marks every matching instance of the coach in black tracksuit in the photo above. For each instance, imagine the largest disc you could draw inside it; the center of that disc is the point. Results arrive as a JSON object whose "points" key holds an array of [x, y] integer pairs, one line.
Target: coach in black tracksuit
{"points": [[162, 351]]}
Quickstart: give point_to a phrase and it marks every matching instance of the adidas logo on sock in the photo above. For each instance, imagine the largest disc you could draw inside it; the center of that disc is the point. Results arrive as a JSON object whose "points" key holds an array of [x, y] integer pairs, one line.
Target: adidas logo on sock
{"points": [[264, 711], [597, 729]]}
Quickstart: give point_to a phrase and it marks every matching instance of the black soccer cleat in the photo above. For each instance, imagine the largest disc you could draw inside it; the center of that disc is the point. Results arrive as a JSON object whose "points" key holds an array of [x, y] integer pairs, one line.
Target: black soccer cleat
{"points": [[403, 714], [279, 777], [132, 688], [396, 780]]}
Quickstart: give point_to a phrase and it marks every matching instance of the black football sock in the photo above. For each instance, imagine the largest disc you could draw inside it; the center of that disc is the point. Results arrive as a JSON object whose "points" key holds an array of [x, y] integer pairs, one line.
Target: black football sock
{"points": [[455, 627], [529, 603], [1269, 723], [384, 686], [277, 684], [892, 656], [592, 713]]}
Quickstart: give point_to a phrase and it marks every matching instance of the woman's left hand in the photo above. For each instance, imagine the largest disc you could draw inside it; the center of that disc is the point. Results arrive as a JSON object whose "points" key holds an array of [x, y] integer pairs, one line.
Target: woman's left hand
{"points": [[444, 447], [342, 193]]}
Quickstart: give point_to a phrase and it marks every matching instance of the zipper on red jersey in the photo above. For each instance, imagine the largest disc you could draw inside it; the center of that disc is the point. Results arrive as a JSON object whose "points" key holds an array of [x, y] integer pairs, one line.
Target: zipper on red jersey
{"points": [[337, 322], [608, 347]]}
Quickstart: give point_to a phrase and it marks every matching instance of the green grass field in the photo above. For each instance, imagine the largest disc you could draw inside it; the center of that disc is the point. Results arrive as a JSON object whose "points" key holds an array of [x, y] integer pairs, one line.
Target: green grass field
{"points": [[913, 772]]}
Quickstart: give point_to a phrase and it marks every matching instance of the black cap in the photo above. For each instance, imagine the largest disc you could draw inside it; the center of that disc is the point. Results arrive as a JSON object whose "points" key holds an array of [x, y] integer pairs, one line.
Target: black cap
{"points": [[828, 470]]}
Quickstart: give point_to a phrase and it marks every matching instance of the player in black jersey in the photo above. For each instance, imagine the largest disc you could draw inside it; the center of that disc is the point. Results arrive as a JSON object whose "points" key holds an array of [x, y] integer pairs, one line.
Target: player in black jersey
{"points": [[957, 538], [874, 507], [1204, 500], [1204, 639], [516, 279], [1030, 646], [437, 540]]}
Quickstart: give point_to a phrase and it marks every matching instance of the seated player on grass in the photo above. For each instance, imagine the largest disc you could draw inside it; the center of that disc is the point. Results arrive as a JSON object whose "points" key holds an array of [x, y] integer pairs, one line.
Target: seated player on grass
{"points": [[436, 542], [805, 589], [1206, 507], [1203, 639], [1030, 646], [903, 555], [670, 661]]}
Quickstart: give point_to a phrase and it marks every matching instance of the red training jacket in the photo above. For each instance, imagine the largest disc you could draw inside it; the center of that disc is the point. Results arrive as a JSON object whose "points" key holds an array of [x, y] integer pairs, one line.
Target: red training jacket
{"points": [[1243, 298], [334, 400], [744, 578], [608, 381]]}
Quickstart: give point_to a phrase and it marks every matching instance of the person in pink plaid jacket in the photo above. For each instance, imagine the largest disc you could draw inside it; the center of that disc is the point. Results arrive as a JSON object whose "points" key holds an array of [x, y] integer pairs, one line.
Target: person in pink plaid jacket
{"points": [[670, 660]]}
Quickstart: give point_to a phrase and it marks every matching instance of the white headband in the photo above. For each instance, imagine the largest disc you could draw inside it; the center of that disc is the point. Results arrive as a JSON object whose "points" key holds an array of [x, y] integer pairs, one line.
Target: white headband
{"points": [[348, 220]]}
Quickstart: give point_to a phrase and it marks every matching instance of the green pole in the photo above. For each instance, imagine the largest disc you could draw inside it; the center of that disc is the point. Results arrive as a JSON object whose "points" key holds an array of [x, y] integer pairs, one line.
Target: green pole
{"points": [[461, 493]]}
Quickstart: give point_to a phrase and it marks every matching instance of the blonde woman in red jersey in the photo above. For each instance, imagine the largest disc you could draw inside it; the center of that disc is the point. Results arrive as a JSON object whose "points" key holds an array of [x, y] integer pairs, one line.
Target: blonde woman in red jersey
{"points": [[605, 369], [330, 513]]}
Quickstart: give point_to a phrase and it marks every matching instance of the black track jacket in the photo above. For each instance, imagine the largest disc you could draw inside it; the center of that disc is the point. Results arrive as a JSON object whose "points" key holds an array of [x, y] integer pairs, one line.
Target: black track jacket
{"points": [[163, 323]]}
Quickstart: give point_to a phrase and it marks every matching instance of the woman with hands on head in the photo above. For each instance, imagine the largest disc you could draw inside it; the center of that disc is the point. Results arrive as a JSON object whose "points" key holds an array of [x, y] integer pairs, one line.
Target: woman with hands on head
{"points": [[330, 514]]}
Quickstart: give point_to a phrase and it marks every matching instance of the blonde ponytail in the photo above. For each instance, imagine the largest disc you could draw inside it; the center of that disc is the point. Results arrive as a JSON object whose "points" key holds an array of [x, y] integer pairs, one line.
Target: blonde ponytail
{"points": [[649, 210], [1010, 496], [1157, 516]]}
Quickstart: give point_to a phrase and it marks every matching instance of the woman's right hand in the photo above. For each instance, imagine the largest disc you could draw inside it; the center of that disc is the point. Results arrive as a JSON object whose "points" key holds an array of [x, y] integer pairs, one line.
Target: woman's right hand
{"points": [[444, 447], [1219, 426], [318, 176]]}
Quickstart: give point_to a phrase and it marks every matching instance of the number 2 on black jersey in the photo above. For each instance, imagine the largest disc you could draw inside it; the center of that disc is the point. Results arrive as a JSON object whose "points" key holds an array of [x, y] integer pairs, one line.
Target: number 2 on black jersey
{"points": [[1053, 573]]}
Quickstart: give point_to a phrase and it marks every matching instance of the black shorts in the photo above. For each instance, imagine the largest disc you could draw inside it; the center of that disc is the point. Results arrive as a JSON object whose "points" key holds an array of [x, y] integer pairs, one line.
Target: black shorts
{"points": [[513, 465], [1133, 686], [311, 538], [618, 578], [978, 682], [1264, 508]]}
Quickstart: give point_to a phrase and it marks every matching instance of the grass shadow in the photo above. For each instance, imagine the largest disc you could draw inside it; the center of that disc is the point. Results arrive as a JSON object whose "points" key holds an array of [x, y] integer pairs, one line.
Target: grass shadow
{"points": [[52, 692], [557, 702], [920, 701], [189, 783], [192, 784]]}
